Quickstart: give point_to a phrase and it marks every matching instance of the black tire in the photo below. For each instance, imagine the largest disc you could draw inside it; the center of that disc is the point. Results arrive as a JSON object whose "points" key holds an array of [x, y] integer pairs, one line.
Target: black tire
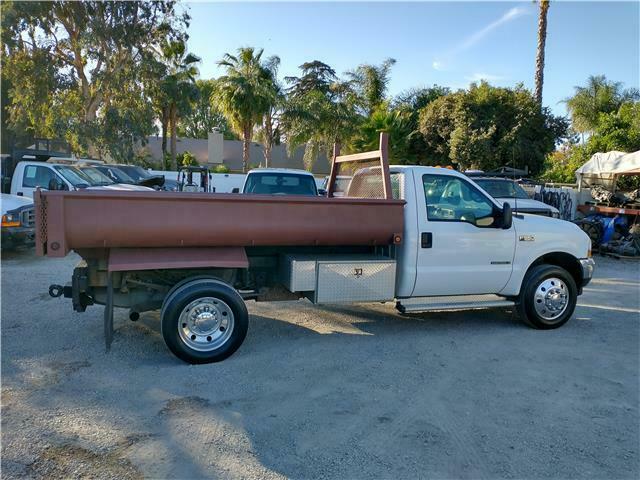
{"points": [[227, 302], [535, 279]]}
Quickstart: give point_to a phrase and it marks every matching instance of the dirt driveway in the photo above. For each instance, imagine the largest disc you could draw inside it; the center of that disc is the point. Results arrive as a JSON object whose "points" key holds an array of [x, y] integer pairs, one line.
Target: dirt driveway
{"points": [[338, 392]]}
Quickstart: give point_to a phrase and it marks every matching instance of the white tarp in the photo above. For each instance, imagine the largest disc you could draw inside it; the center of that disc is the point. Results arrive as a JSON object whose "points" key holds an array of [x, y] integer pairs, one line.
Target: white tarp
{"points": [[602, 168]]}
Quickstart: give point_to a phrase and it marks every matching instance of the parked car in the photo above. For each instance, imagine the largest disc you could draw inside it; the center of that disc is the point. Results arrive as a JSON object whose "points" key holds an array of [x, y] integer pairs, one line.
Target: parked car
{"points": [[506, 190], [341, 186], [18, 221], [142, 176], [115, 174], [280, 181]]}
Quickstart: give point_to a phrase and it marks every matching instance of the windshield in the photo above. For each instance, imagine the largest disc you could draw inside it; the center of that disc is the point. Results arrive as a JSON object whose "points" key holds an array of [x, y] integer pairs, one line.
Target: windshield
{"points": [[280, 184], [116, 174], [134, 171], [96, 176], [73, 175], [502, 188]]}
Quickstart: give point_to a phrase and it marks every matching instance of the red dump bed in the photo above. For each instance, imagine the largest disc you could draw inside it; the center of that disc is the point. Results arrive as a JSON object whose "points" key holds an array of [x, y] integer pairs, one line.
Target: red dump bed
{"points": [[99, 219]]}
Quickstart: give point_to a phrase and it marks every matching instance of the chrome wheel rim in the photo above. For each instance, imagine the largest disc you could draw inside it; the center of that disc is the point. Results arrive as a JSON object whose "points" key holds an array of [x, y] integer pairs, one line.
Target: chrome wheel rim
{"points": [[551, 298], [206, 324]]}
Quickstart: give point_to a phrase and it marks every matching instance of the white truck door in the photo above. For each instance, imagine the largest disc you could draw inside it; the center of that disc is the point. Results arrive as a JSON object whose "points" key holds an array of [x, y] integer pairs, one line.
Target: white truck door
{"points": [[28, 177], [462, 250]]}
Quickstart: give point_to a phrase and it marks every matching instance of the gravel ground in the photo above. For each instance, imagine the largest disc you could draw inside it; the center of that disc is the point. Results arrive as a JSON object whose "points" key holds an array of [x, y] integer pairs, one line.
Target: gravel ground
{"points": [[337, 392]]}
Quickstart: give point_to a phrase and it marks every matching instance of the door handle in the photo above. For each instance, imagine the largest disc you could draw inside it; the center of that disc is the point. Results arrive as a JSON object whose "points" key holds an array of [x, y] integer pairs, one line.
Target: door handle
{"points": [[426, 240]]}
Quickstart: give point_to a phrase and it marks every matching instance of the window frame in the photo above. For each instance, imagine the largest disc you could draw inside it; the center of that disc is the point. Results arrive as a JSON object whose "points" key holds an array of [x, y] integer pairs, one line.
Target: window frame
{"points": [[495, 211], [48, 168]]}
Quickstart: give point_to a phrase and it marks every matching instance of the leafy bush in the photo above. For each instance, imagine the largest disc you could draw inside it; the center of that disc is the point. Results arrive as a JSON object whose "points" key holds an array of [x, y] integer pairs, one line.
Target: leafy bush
{"points": [[187, 159], [221, 169]]}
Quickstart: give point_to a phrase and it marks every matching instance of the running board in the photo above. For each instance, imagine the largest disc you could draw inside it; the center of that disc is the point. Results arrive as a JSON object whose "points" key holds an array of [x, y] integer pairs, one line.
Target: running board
{"points": [[458, 302]]}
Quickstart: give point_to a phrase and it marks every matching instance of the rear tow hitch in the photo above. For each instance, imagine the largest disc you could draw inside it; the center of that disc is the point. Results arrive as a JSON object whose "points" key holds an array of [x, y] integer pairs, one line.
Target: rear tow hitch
{"points": [[56, 291]]}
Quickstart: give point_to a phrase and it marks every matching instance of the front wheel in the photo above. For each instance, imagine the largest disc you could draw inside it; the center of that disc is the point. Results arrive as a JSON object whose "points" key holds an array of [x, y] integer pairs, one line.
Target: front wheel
{"points": [[204, 321], [548, 297]]}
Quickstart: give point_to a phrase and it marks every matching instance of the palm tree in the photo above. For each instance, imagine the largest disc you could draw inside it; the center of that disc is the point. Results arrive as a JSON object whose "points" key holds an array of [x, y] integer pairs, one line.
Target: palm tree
{"points": [[178, 88], [270, 132], [542, 40], [320, 111], [245, 93], [598, 96], [371, 82]]}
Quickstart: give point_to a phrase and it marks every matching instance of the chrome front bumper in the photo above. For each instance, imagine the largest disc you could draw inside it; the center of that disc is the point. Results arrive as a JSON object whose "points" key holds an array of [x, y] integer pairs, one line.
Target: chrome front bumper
{"points": [[588, 266]]}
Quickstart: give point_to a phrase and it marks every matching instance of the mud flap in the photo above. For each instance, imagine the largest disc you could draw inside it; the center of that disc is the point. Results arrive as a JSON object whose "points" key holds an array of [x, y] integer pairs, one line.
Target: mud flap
{"points": [[108, 314]]}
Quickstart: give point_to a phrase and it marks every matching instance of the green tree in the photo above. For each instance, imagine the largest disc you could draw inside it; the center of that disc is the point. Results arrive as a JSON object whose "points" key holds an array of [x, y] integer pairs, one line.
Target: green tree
{"points": [[618, 130], [320, 111], [244, 93], [269, 129], [98, 52], [204, 117], [487, 127], [610, 114], [408, 104], [598, 96], [397, 123], [177, 88], [370, 83]]}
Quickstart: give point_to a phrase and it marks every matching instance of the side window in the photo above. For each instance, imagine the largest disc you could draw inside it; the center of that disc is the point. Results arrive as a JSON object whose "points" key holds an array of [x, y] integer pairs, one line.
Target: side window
{"points": [[450, 198], [36, 176]]}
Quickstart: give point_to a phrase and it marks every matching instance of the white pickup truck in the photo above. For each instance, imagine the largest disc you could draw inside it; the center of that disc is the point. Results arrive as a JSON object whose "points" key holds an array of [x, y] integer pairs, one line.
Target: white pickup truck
{"points": [[30, 175], [279, 181]]}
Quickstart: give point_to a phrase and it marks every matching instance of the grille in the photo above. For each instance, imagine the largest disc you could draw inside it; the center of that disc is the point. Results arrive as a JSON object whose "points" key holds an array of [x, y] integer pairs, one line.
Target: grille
{"points": [[28, 217]]}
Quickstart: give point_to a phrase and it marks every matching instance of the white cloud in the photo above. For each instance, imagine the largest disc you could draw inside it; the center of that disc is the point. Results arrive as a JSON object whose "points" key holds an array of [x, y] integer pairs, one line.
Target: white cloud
{"points": [[471, 40], [477, 36], [476, 77]]}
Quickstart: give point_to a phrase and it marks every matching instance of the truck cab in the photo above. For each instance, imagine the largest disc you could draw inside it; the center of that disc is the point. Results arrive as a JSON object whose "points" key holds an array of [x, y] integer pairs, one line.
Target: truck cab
{"points": [[280, 181], [459, 240]]}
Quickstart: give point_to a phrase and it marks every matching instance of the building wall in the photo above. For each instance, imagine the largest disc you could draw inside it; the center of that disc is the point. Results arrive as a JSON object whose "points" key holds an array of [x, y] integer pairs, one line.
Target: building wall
{"points": [[207, 152]]}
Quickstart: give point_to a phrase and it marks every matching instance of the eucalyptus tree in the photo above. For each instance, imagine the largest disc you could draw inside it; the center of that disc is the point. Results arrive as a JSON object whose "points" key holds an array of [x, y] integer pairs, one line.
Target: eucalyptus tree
{"points": [[96, 51], [245, 93]]}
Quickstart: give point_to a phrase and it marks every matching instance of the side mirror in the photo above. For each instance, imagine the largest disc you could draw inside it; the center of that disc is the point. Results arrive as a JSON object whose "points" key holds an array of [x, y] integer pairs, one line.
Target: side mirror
{"points": [[235, 190], [57, 184], [322, 192], [507, 216]]}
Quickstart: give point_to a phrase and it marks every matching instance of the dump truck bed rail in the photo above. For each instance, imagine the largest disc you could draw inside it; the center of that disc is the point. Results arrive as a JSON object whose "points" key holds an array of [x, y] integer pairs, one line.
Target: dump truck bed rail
{"points": [[99, 219]]}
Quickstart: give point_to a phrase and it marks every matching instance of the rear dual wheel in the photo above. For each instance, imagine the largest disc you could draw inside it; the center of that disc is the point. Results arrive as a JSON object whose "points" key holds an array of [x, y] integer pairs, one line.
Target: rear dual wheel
{"points": [[204, 320]]}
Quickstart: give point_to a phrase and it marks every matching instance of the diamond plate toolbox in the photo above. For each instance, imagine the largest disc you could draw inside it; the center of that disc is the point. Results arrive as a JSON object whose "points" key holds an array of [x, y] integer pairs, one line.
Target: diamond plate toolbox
{"points": [[298, 272], [355, 281]]}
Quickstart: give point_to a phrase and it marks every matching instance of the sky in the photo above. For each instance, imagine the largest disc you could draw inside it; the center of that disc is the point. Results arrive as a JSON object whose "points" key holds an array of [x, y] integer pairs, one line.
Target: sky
{"points": [[444, 43]]}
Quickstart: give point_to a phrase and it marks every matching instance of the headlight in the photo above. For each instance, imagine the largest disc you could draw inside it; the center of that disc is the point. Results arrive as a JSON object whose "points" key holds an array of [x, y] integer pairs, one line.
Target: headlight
{"points": [[10, 220]]}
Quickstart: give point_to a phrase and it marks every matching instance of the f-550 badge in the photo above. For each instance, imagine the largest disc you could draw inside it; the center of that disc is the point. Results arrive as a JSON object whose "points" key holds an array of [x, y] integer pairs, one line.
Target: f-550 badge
{"points": [[527, 238]]}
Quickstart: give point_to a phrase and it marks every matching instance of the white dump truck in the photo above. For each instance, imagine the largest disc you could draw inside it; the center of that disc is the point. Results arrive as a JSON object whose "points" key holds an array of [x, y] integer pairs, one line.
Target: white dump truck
{"points": [[425, 238]]}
